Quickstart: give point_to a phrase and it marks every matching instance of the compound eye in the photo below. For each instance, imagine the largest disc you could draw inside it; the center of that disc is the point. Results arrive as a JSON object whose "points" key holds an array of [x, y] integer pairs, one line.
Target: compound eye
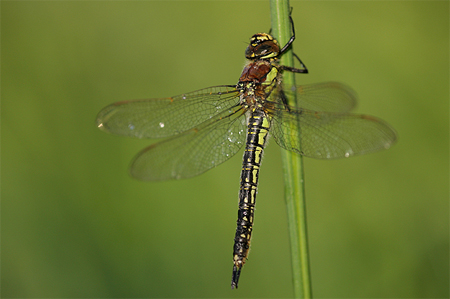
{"points": [[264, 50]]}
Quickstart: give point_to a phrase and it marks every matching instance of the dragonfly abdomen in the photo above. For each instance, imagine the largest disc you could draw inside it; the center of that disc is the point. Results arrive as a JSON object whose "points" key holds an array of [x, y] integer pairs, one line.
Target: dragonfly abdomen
{"points": [[258, 129]]}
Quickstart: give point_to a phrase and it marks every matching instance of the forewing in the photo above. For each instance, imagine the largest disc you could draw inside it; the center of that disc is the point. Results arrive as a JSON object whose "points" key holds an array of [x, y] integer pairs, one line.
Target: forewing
{"points": [[327, 96], [325, 135], [194, 151], [156, 118]]}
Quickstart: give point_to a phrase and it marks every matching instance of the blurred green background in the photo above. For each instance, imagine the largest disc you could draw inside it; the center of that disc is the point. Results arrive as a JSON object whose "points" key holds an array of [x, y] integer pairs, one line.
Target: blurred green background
{"points": [[74, 224]]}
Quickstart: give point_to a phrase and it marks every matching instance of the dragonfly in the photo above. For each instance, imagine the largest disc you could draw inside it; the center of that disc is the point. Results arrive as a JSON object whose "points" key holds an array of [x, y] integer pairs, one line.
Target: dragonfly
{"points": [[204, 128]]}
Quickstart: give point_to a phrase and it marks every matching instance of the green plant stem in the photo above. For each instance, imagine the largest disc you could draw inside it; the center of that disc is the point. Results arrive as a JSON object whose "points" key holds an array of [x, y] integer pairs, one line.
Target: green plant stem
{"points": [[293, 168]]}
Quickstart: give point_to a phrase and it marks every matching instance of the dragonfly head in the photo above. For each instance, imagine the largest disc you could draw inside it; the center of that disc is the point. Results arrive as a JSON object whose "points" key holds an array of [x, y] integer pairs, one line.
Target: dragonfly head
{"points": [[262, 46]]}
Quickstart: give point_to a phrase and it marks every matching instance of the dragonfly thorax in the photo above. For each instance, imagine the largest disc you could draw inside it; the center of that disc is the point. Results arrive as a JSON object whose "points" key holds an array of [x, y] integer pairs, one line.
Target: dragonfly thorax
{"points": [[256, 82], [256, 71], [262, 46], [251, 95]]}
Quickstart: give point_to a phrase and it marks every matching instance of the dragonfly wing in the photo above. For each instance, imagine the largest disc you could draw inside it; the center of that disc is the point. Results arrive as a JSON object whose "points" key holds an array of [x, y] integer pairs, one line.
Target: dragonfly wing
{"points": [[327, 96], [325, 135], [194, 151], [156, 118]]}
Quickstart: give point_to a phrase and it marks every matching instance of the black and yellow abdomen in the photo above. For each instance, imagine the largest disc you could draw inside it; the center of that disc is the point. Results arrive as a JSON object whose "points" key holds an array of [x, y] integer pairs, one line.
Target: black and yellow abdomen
{"points": [[258, 129]]}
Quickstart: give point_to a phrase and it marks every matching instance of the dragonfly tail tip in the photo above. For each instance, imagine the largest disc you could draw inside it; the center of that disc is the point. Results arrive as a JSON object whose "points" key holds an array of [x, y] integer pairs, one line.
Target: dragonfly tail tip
{"points": [[235, 278]]}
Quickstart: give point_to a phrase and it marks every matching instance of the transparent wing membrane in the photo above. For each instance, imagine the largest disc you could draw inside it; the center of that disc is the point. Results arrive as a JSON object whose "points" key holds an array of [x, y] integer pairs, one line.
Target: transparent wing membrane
{"points": [[194, 151], [328, 96], [207, 127], [324, 135], [156, 118]]}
